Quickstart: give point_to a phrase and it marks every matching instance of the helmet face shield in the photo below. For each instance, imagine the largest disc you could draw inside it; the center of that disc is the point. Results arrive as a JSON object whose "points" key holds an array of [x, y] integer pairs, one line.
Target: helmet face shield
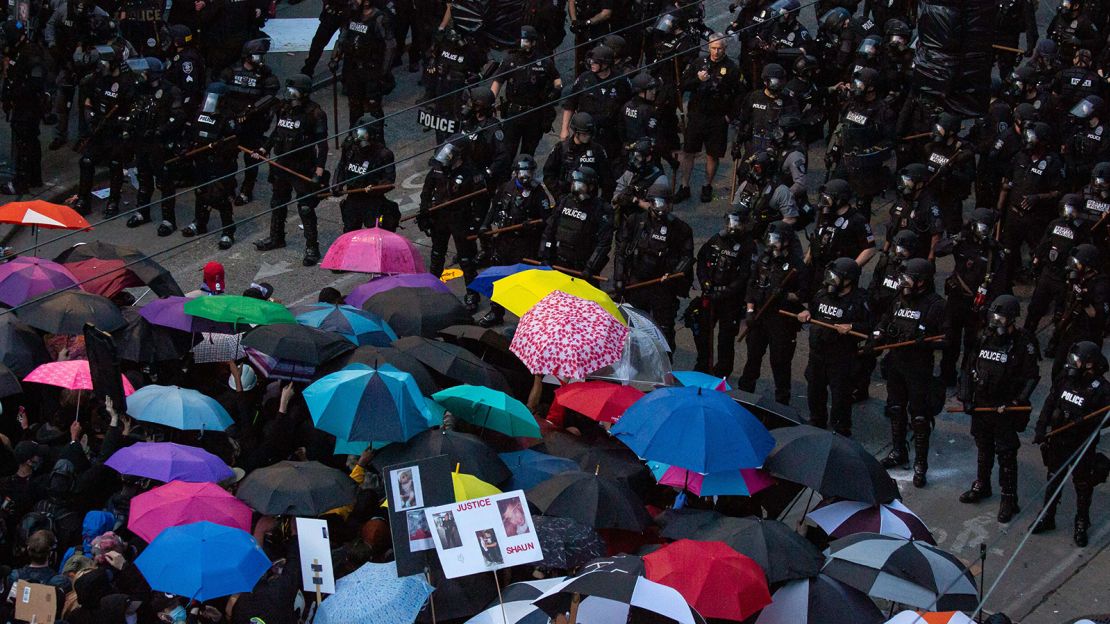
{"points": [[1082, 109], [660, 205], [833, 281], [211, 103], [447, 154], [981, 230]]}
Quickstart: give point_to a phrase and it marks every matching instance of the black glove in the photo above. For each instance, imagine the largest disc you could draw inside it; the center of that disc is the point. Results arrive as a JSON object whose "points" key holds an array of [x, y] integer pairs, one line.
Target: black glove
{"points": [[424, 223], [618, 286], [1039, 437], [333, 66], [969, 409], [587, 275], [576, 27]]}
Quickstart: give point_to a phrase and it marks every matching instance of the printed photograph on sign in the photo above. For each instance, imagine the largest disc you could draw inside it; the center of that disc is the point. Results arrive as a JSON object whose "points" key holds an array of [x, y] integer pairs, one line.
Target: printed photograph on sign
{"points": [[447, 530], [513, 517], [484, 534], [420, 535], [491, 550], [406, 488]]}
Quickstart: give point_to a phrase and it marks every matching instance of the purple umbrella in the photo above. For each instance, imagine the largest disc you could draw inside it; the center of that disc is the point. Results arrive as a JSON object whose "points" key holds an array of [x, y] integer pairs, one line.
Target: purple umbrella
{"points": [[166, 461], [25, 278], [361, 293], [170, 312]]}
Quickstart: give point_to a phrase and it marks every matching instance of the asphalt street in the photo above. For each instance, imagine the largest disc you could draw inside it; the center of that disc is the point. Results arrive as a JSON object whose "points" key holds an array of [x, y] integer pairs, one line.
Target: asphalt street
{"points": [[1049, 582]]}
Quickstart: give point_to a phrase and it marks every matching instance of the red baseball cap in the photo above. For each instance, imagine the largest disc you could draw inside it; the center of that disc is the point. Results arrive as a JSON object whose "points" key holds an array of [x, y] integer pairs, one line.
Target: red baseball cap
{"points": [[214, 277]]}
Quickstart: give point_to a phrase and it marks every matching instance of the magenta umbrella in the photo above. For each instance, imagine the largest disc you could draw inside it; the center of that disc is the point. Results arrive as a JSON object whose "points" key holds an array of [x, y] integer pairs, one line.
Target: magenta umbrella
{"points": [[361, 293], [373, 250], [179, 502], [71, 375], [25, 278]]}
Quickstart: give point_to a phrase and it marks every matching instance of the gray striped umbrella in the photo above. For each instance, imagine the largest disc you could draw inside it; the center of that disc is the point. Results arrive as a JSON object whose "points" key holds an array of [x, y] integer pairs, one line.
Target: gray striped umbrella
{"points": [[819, 600], [905, 571]]}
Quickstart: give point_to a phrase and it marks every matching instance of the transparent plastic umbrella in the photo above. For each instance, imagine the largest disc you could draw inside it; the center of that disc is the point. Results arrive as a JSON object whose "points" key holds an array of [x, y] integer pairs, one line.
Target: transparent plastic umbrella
{"points": [[645, 358]]}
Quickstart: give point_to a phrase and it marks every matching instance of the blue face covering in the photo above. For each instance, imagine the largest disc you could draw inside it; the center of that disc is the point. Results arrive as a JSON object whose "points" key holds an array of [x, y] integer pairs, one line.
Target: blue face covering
{"points": [[179, 614]]}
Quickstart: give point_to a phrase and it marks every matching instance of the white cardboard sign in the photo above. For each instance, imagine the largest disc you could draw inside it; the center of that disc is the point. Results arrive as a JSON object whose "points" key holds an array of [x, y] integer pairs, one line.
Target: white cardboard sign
{"points": [[484, 534], [315, 547]]}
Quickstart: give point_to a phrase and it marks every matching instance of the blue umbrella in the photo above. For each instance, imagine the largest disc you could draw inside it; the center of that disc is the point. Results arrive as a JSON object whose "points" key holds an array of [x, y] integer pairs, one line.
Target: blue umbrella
{"points": [[530, 468], [695, 379], [179, 408], [700, 430], [355, 447], [358, 326], [359, 403], [202, 560], [374, 593], [484, 282]]}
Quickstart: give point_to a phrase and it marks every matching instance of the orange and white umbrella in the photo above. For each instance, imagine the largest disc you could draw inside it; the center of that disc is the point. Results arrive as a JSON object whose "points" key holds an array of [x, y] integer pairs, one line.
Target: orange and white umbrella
{"points": [[933, 617], [42, 214]]}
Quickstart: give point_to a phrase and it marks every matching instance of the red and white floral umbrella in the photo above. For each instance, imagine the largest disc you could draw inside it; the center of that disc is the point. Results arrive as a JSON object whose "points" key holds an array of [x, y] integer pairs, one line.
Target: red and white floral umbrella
{"points": [[568, 337]]}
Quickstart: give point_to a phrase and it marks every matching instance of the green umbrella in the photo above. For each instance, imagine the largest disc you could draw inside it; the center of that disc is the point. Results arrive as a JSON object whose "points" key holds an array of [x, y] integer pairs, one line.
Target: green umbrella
{"points": [[236, 309], [488, 408]]}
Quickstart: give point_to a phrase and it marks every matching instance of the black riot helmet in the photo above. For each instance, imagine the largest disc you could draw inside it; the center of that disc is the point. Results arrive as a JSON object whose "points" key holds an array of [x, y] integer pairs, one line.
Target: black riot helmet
{"points": [[1100, 180], [778, 239], [904, 244], [759, 167], [1090, 107], [1071, 207], [785, 10], [181, 35], [841, 275], [917, 276], [582, 125], [947, 126], [898, 34], [524, 169], [106, 59], [254, 51], [834, 194], [297, 88], [602, 56], [1037, 135], [450, 154], [666, 24], [645, 85], [774, 78], [659, 196], [790, 123], [982, 223], [1025, 115], [212, 97], [912, 178], [640, 156], [1004, 311], [834, 21], [1084, 259], [529, 37], [803, 65], [583, 182], [1085, 361], [145, 70], [869, 48], [479, 100], [1068, 8], [616, 43], [1023, 79], [369, 130], [864, 81], [1045, 53]]}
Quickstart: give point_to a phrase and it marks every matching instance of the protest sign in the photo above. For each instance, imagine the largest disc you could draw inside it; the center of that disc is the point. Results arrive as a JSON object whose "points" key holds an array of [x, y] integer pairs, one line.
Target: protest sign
{"points": [[35, 602], [484, 534], [315, 548], [410, 487]]}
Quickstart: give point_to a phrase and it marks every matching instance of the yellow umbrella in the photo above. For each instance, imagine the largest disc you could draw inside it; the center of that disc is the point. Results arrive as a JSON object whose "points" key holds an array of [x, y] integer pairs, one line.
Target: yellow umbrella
{"points": [[520, 292], [467, 487]]}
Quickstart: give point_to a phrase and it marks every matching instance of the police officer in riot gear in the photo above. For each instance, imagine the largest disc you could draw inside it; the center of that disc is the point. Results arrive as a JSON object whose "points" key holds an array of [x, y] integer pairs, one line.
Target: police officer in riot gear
{"points": [[1032, 187], [215, 129], [1095, 195], [951, 164], [107, 100], [896, 64], [69, 37], [579, 150], [185, 69], [917, 313], [809, 97], [450, 177], [251, 87], [650, 245], [579, 232], [832, 352], [1081, 390], [366, 46], [1026, 87], [1013, 18], [25, 102], [1050, 259], [1072, 29], [639, 116], [1000, 144], [1000, 373], [724, 265], [152, 123], [763, 195], [775, 274], [773, 33], [862, 139], [528, 81], [457, 61], [1074, 83], [1086, 307], [793, 156], [916, 209], [842, 231], [595, 92], [333, 15], [522, 203], [1086, 142], [759, 114], [643, 173], [366, 163], [301, 123], [485, 139]]}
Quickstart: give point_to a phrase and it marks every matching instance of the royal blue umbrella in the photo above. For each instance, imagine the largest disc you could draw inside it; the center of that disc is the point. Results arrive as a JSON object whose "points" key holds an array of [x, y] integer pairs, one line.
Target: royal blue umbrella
{"points": [[202, 561], [179, 408], [358, 326], [700, 430], [530, 468], [483, 284], [363, 404], [695, 379]]}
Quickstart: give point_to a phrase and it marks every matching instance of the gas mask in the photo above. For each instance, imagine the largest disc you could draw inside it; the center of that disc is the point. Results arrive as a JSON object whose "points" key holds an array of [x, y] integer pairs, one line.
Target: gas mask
{"points": [[1031, 140], [1076, 269], [660, 206], [833, 282], [1102, 187], [776, 244], [581, 190], [897, 43], [734, 225], [826, 204], [523, 177], [981, 230], [1070, 212], [907, 285], [774, 85], [1076, 368], [902, 253], [293, 94], [907, 186], [999, 323], [583, 137], [940, 134]]}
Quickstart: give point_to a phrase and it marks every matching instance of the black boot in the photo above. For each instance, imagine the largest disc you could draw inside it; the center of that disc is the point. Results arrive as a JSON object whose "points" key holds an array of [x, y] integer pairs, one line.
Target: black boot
{"points": [[1008, 508], [1007, 482], [276, 239], [921, 433], [981, 488], [470, 300], [899, 456], [1082, 516], [977, 492], [1048, 520], [1080, 536], [491, 319], [311, 254], [919, 471], [112, 209]]}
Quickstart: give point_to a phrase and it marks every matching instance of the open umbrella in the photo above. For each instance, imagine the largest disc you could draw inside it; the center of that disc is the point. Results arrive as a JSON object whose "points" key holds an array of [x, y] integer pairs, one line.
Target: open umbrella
{"points": [[374, 593], [645, 357], [467, 487], [696, 429], [9, 383], [515, 605], [26, 278], [906, 571], [418, 311], [638, 599], [819, 600], [360, 403], [566, 336], [166, 461], [178, 408], [830, 463], [295, 343], [179, 502], [489, 409], [483, 284], [522, 291], [42, 214], [290, 488], [140, 268], [841, 518], [377, 285], [713, 578], [567, 544], [530, 468], [375, 357], [597, 400], [71, 375], [170, 312], [593, 500], [239, 310], [202, 561], [373, 250], [67, 311], [469, 452], [478, 340], [142, 342], [21, 348], [743, 482], [358, 326], [922, 617], [695, 379], [452, 362]]}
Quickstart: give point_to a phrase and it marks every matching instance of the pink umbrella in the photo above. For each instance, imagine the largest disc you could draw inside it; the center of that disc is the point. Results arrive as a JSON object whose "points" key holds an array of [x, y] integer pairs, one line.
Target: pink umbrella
{"points": [[751, 479], [566, 336], [70, 374], [373, 250], [178, 502]]}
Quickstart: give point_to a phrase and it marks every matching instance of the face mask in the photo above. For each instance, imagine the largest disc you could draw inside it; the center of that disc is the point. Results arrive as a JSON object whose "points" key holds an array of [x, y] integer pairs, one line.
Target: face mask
{"points": [[774, 85], [1070, 212], [1075, 268], [898, 44], [733, 225], [524, 176], [833, 282], [580, 189], [256, 59], [906, 284], [1000, 324], [981, 230], [179, 615], [902, 253], [292, 93], [583, 137], [858, 88]]}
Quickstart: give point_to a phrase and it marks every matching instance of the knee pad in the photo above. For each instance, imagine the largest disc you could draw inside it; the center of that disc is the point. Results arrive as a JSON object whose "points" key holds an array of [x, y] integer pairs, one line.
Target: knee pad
{"points": [[305, 211], [895, 411], [85, 164]]}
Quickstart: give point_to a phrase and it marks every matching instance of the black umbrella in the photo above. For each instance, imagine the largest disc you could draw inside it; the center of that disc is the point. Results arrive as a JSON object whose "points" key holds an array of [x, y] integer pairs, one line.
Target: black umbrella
{"points": [[376, 356], [9, 383], [644, 605], [148, 271], [566, 544], [290, 488], [620, 464], [453, 362], [141, 342], [593, 500], [830, 463], [820, 600], [686, 521], [479, 340], [297, 343], [782, 553], [458, 598], [21, 348], [418, 311], [67, 311], [632, 564], [474, 456]]}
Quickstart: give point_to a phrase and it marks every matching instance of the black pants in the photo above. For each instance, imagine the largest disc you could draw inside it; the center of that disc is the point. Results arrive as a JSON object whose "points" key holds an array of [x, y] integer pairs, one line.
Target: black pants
{"points": [[362, 211], [1055, 455], [1018, 230], [285, 188], [329, 24], [1049, 292], [523, 134], [780, 336], [217, 197], [364, 94], [150, 163], [830, 375], [97, 154], [963, 328], [660, 302], [725, 321], [908, 381], [26, 154], [252, 138], [444, 230]]}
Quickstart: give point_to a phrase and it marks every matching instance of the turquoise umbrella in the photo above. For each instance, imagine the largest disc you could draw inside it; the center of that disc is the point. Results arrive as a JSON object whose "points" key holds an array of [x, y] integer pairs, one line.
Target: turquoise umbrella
{"points": [[355, 447], [490, 409], [363, 404], [179, 408]]}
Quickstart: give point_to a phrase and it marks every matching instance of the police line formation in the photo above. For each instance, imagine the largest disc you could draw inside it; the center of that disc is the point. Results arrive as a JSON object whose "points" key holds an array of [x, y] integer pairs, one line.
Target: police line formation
{"points": [[1016, 192]]}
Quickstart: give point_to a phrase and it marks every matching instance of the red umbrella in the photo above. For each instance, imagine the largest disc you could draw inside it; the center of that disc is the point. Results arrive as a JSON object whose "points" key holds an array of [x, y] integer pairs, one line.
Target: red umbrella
{"points": [[716, 580], [373, 250], [42, 214], [602, 401], [104, 277]]}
